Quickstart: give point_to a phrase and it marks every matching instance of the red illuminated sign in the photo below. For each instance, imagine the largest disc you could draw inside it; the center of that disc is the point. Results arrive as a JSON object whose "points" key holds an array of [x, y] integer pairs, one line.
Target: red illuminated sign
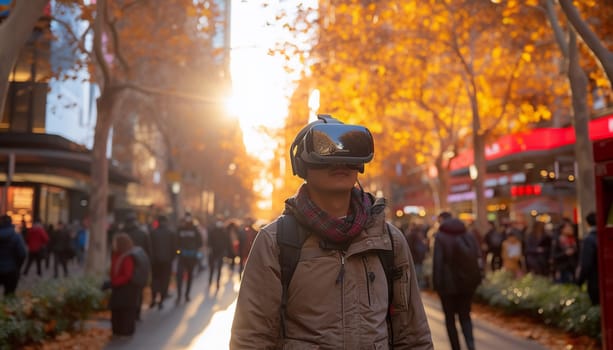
{"points": [[526, 190], [536, 140]]}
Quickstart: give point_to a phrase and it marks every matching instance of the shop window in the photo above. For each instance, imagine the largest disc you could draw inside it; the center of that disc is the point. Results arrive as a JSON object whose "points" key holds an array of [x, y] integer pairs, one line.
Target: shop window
{"points": [[20, 203]]}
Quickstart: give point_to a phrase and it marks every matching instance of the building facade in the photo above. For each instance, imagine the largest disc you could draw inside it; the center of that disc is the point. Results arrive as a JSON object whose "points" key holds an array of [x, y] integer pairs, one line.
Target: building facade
{"points": [[46, 132]]}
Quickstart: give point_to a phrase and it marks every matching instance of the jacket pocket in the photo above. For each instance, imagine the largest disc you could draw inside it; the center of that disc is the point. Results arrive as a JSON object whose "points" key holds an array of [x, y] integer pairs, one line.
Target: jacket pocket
{"points": [[381, 345], [295, 344], [401, 285]]}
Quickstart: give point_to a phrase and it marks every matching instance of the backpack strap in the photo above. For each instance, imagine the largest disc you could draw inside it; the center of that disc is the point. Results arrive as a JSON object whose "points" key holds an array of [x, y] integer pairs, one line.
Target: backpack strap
{"points": [[387, 261], [290, 237]]}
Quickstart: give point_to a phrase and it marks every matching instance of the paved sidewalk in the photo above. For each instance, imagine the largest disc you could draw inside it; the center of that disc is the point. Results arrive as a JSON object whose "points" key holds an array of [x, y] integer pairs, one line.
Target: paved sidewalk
{"points": [[26, 282]]}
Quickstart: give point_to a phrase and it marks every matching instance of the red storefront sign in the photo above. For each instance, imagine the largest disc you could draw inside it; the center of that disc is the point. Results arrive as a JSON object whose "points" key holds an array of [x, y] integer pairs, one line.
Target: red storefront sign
{"points": [[536, 140]]}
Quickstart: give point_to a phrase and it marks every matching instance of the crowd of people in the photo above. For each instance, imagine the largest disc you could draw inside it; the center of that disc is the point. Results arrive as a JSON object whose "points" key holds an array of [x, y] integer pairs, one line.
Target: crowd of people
{"points": [[552, 251], [145, 255], [61, 244], [544, 249]]}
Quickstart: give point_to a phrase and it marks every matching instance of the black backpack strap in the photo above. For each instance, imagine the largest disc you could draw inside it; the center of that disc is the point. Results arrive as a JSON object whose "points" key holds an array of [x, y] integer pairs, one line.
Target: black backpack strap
{"points": [[290, 237], [387, 261]]}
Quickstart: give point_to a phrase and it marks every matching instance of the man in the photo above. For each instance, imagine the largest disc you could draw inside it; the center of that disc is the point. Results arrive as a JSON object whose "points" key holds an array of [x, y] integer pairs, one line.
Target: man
{"points": [[246, 236], [188, 247], [163, 252], [338, 295], [219, 243], [456, 275], [588, 262], [493, 241], [12, 255]]}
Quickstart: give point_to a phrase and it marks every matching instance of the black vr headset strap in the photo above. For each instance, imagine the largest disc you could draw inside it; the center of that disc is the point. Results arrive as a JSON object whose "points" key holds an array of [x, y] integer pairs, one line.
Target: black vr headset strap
{"points": [[290, 237]]}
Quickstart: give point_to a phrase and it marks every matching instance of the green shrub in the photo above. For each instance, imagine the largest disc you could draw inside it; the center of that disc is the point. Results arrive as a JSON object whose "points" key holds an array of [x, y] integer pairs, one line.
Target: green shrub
{"points": [[561, 305], [49, 308]]}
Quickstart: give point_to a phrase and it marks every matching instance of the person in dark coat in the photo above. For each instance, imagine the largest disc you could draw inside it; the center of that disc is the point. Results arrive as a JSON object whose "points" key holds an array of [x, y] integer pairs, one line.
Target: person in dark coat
{"points": [[62, 249], [12, 254], [246, 238], [588, 262], [565, 253], [140, 238], [455, 298], [418, 244], [125, 296], [219, 243], [493, 240], [163, 252], [189, 242]]}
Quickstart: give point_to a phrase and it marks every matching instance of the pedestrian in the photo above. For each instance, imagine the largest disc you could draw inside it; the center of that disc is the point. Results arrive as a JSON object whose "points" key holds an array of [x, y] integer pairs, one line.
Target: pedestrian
{"points": [[493, 242], [48, 251], [456, 275], [588, 263], [140, 238], [536, 249], [338, 296], [81, 242], [233, 250], [219, 243], [189, 242], [512, 256], [418, 244], [36, 239], [12, 255], [163, 252], [246, 238], [125, 295], [565, 253], [62, 248]]}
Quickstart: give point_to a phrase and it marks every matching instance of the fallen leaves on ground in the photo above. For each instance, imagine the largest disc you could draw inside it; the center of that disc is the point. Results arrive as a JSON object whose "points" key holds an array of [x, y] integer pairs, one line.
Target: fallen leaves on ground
{"points": [[90, 339], [530, 328]]}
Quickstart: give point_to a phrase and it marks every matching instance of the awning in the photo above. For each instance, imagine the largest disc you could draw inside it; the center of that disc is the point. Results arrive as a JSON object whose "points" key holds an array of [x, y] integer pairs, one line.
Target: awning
{"points": [[540, 204]]}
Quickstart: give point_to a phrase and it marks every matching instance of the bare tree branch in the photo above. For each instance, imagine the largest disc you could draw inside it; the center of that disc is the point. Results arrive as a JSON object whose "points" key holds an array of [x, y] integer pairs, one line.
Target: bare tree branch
{"points": [[603, 56], [80, 42], [98, 31]]}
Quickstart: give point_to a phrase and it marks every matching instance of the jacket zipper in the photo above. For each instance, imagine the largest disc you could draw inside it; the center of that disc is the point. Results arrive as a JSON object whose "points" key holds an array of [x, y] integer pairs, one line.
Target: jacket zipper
{"points": [[368, 277], [340, 279]]}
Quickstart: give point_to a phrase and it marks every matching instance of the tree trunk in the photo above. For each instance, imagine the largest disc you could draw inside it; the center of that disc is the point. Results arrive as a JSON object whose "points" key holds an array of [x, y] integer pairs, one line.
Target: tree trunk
{"points": [[586, 190], [480, 207], [443, 185], [14, 33], [98, 199], [600, 51]]}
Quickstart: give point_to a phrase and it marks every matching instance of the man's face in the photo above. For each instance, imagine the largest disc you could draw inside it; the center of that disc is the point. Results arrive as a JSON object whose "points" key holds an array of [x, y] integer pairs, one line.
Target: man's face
{"points": [[333, 178]]}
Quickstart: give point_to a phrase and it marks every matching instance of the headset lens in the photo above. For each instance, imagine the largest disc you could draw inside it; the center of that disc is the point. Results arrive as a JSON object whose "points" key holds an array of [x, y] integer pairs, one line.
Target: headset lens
{"points": [[339, 143]]}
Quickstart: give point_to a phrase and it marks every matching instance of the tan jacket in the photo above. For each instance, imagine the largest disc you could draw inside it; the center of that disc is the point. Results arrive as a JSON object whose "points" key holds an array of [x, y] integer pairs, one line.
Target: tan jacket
{"points": [[324, 314]]}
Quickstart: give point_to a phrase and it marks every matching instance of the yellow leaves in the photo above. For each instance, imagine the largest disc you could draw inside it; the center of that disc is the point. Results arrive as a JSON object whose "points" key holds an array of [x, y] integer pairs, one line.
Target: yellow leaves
{"points": [[526, 56], [496, 52], [531, 114]]}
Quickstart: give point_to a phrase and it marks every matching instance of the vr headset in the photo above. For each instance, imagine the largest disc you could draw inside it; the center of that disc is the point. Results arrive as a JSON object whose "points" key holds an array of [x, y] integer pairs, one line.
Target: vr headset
{"points": [[329, 141]]}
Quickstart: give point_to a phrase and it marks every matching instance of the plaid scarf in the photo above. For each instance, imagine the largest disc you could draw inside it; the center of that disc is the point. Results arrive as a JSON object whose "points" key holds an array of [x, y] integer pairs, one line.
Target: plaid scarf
{"points": [[332, 229]]}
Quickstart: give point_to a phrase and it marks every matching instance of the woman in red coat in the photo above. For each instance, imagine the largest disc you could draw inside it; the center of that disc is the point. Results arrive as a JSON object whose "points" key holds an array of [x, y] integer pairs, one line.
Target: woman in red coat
{"points": [[124, 294], [36, 239]]}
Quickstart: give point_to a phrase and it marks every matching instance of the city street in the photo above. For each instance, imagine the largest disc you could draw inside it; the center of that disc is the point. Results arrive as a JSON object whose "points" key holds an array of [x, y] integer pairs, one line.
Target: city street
{"points": [[204, 323]]}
